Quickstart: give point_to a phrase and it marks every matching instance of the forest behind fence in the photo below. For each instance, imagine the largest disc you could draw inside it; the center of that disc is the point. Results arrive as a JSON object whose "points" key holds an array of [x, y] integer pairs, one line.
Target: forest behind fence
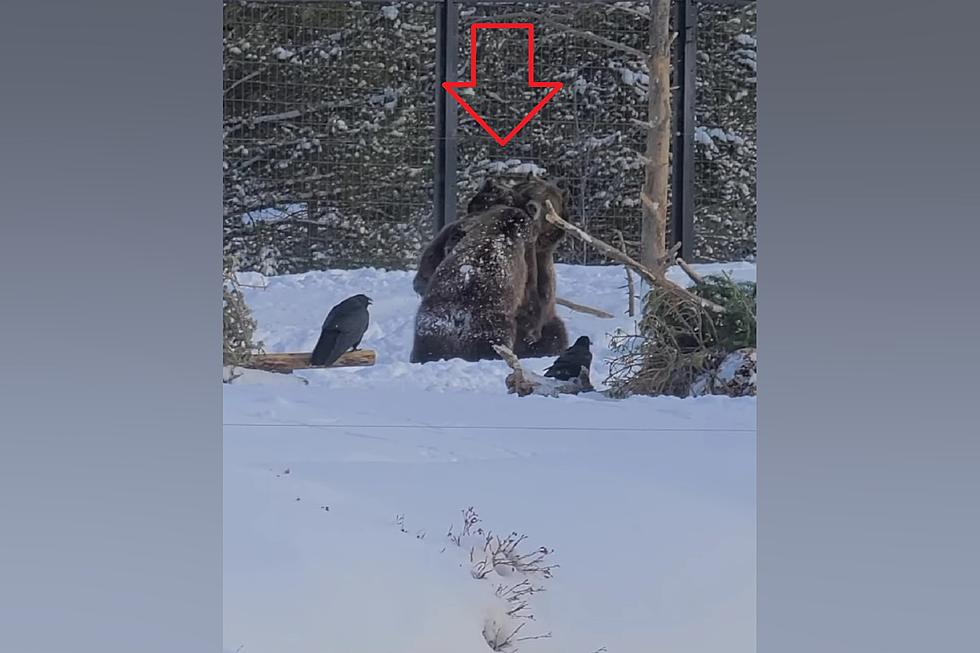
{"points": [[334, 139]]}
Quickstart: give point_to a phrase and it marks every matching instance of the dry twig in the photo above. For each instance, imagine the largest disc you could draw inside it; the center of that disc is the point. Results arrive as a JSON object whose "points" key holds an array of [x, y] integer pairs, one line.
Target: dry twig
{"points": [[630, 288]]}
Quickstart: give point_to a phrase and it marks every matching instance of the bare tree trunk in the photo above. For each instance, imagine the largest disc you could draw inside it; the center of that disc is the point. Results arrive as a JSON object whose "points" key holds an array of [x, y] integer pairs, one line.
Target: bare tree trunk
{"points": [[654, 194]]}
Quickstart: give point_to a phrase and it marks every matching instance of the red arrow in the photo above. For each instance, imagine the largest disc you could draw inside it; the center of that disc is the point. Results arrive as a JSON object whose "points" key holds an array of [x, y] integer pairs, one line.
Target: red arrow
{"points": [[452, 86]]}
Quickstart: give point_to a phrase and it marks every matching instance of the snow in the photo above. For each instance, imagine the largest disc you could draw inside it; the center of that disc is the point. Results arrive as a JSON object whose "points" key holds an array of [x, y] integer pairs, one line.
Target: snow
{"points": [[648, 503], [283, 54], [513, 167], [274, 213]]}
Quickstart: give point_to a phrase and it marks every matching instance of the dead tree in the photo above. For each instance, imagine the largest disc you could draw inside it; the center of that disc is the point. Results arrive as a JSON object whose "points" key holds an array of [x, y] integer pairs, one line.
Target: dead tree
{"points": [[653, 196]]}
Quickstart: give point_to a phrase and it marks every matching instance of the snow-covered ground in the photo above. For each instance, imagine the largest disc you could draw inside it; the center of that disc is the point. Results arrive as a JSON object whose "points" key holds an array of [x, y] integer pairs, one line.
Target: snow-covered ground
{"points": [[338, 494]]}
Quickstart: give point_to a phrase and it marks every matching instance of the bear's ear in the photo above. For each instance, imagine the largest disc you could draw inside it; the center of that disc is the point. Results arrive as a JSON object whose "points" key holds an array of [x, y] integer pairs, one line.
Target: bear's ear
{"points": [[535, 209]]}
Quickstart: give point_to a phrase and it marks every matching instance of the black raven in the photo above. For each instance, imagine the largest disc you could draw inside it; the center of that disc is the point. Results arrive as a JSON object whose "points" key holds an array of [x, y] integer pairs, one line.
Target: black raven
{"points": [[342, 330], [572, 361]]}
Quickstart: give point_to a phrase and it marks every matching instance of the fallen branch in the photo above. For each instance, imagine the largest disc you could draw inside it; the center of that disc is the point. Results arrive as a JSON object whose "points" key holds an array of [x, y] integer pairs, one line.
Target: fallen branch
{"points": [[301, 360], [523, 383], [581, 308], [689, 271], [656, 278]]}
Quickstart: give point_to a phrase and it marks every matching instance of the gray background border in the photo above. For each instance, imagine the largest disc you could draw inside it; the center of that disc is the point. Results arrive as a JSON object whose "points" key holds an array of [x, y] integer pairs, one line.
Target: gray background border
{"points": [[109, 401], [868, 525]]}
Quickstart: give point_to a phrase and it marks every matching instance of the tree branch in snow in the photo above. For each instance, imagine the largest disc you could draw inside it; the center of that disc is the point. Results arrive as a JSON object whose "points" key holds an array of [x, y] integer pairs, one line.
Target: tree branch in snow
{"points": [[689, 271], [524, 383], [654, 277], [581, 308]]}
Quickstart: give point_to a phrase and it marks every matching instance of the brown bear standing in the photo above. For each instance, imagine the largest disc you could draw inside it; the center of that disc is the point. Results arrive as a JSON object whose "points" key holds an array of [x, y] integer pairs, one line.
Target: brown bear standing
{"points": [[542, 332], [472, 299]]}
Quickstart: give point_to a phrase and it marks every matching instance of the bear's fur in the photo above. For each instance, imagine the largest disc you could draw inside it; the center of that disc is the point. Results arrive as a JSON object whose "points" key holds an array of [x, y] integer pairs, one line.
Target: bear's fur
{"points": [[492, 193], [539, 330], [435, 252], [472, 299]]}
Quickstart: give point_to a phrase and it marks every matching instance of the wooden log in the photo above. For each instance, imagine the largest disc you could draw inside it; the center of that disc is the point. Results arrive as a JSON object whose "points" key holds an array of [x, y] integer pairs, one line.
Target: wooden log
{"points": [[287, 362]]}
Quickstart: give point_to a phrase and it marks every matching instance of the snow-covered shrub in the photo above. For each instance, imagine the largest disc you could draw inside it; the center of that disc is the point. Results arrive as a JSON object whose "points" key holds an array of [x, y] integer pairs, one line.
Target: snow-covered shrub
{"points": [[238, 335], [735, 376], [679, 342]]}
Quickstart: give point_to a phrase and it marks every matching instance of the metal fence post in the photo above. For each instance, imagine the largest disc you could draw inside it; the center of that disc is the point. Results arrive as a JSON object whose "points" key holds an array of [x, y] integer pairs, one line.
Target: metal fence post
{"points": [[447, 57], [682, 163]]}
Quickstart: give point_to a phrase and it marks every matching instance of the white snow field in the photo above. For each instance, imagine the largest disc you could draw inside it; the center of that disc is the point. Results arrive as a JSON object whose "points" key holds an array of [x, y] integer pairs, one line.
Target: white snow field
{"points": [[339, 494]]}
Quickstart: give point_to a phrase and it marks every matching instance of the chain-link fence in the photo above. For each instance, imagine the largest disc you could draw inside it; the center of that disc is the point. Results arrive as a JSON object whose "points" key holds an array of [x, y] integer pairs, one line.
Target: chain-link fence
{"points": [[333, 145]]}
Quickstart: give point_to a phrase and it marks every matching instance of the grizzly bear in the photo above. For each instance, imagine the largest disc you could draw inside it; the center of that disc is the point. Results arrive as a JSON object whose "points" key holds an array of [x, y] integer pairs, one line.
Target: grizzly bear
{"points": [[542, 332], [492, 193], [473, 297]]}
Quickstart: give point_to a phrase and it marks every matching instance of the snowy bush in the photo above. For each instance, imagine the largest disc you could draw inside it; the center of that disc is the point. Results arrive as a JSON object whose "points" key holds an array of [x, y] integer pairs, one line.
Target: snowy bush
{"points": [[238, 332], [735, 376], [683, 349]]}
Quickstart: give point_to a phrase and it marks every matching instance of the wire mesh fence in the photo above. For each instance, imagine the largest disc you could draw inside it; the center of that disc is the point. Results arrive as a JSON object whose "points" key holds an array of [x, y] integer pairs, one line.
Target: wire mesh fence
{"points": [[328, 114], [724, 185], [589, 137], [330, 125]]}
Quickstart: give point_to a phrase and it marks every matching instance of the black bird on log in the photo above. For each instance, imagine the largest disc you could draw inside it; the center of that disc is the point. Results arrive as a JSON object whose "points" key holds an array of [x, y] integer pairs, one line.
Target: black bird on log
{"points": [[342, 330]]}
